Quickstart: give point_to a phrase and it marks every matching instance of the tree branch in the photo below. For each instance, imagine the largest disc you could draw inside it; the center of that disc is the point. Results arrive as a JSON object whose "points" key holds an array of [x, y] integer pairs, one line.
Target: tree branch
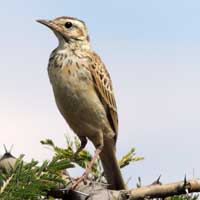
{"points": [[97, 191], [166, 190]]}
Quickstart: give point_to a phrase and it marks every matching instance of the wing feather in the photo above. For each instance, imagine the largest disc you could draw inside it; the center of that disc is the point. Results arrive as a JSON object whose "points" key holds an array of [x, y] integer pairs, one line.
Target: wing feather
{"points": [[103, 85]]}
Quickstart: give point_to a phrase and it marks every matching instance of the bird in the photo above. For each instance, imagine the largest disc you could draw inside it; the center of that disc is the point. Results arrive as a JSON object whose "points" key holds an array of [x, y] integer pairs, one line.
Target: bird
{"points": [[7, 161], [84, 93]]}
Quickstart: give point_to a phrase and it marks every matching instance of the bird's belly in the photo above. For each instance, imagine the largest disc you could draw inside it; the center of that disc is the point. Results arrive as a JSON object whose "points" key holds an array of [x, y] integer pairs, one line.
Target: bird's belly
{"points": [[79, 104]]}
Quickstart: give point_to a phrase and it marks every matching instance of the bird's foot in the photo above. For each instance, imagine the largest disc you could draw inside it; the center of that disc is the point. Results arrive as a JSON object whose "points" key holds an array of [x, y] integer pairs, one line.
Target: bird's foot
{"points": [[88, 170], [77, 181]]}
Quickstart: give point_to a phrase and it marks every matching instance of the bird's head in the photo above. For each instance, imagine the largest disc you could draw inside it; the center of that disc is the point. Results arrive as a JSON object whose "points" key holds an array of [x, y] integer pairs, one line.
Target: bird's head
{"points": [[68, 30]]}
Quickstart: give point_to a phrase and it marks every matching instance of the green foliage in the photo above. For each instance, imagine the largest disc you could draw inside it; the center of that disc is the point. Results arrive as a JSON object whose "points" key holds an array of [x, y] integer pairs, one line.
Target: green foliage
{"points": [[184, 197], [129, 157], [84, 157], [81, 159], [31, 181]]}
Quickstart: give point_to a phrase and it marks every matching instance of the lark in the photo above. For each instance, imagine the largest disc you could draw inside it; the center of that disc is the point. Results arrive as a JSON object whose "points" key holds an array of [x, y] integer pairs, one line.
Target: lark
{"points": [[84, 93]]}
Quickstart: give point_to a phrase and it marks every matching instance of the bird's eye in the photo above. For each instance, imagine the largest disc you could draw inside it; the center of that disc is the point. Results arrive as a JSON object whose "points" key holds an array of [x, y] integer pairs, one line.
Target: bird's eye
{"points": [[68, 24]]}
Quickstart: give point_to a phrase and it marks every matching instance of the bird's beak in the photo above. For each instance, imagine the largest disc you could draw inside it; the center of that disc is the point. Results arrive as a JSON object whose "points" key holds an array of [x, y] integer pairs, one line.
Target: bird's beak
{"points": [[57, 29], [47, 23]]}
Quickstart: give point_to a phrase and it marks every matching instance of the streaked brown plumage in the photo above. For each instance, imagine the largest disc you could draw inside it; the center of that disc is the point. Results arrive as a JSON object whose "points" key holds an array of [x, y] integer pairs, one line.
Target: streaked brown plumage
{"points": [[83, 92]]}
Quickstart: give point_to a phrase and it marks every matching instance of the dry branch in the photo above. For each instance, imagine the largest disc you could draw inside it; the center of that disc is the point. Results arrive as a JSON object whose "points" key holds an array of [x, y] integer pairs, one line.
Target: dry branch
{"points": [[96, 191], [166, 190]]}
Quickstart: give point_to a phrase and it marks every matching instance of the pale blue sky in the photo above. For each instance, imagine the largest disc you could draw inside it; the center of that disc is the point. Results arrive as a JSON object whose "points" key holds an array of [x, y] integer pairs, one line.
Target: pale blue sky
{"points": [[151, 49]]}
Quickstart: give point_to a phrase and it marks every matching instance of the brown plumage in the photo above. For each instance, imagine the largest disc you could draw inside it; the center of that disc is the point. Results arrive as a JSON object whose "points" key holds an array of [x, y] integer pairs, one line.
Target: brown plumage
{"points": [[84, 93]]}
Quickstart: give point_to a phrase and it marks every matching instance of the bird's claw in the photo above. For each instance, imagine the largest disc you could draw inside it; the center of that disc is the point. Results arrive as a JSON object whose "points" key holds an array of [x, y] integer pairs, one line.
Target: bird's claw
{"points": [[77, 181]]}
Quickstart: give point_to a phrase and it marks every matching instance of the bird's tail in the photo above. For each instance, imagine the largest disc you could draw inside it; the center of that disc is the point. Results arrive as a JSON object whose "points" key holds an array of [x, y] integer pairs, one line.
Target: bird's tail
{"points": [[111, 168]]}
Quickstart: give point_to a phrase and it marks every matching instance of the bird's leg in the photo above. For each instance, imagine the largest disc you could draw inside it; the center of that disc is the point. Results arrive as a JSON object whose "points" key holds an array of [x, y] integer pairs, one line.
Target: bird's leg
{"points": [[89, 168], [83, 140]]}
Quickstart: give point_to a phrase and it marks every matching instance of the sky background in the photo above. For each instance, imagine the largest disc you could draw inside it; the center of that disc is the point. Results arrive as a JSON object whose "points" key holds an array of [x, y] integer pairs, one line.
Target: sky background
{"points": [[151, 49]]}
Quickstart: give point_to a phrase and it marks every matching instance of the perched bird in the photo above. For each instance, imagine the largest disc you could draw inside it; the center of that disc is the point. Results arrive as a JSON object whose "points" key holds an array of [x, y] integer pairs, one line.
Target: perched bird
{"points": [[84, 94], [7, 161]]}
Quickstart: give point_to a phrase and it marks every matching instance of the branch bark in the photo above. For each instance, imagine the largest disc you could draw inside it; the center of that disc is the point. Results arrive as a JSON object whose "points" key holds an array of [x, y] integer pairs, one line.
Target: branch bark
{"points": [[166, 190], [97, 191]]}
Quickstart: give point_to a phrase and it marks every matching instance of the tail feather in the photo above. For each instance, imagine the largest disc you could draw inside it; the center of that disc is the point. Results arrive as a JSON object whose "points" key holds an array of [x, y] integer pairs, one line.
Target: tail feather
{"points": [[111, 168]]}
